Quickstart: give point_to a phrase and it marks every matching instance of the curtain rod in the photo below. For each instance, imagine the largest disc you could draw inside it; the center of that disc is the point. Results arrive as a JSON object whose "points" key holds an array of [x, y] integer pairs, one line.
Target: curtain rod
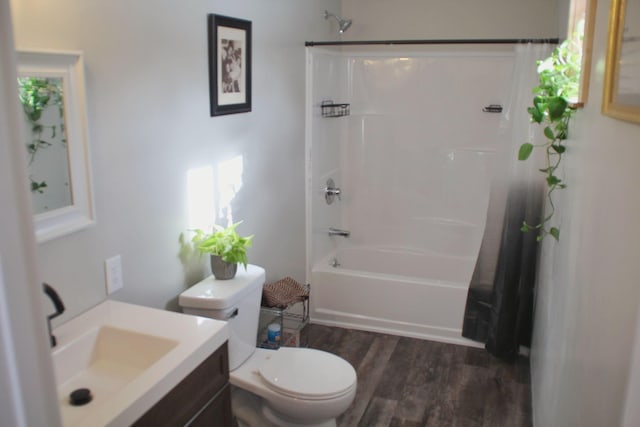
{"points": [[432, 41]]}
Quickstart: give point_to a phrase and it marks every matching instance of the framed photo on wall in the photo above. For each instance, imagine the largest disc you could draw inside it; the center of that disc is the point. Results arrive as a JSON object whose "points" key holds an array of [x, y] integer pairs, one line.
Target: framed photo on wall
{"points": [[229, 65]]}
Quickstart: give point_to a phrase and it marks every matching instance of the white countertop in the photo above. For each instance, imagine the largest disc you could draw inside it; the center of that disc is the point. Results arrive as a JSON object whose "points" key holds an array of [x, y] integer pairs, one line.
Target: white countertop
{"points": [[184, 341]]}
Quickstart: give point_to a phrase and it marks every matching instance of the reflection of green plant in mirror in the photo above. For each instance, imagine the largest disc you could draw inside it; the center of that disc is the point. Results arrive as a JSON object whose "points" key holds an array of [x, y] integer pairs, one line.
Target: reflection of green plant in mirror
{"points": [[36, 94], [559, 84], [37, 187]]}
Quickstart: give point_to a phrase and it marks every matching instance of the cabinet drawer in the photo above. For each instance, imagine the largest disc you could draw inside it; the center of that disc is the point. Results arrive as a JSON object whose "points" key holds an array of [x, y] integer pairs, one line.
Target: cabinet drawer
{"points": [[217, 413], [192, 394]]}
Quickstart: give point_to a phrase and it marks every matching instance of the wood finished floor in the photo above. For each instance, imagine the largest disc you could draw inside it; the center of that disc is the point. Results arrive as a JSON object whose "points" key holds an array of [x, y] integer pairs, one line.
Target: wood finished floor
{"points": [[410, 382]]}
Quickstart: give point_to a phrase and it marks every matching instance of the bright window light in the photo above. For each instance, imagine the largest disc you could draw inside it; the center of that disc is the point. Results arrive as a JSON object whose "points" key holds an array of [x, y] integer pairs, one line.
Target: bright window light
{"points": [[201, 198], [229, 184]]}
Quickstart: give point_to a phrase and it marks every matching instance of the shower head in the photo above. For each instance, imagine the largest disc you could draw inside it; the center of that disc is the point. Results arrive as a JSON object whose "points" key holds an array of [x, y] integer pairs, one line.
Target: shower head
{"points": [[343, 24]]}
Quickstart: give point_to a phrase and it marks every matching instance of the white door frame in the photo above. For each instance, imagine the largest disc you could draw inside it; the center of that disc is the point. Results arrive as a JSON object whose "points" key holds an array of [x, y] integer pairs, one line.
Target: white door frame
{"points": [[27, 388]]}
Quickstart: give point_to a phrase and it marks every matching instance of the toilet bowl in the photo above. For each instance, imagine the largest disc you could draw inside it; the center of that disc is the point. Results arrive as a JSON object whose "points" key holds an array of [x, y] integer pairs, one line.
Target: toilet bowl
{"points": [[300, 386], [289, 387]]}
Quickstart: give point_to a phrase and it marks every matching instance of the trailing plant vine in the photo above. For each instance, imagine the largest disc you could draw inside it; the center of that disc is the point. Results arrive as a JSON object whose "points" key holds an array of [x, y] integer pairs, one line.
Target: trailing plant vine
{"points": [[558, 84], [36, 94]]}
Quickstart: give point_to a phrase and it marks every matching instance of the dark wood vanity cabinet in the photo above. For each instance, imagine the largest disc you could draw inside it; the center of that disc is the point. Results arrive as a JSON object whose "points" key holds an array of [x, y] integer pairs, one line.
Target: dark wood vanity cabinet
{"points": [[203, 398]]}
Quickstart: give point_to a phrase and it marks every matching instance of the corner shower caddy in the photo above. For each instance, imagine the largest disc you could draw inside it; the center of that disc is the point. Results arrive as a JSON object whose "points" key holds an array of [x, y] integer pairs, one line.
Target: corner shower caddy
{"points": [[292, 320], [331, 109]]}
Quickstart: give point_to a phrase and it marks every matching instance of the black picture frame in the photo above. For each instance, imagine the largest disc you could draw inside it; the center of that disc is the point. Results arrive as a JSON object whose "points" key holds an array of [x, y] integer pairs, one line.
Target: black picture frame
{"points": [[229, 65]]}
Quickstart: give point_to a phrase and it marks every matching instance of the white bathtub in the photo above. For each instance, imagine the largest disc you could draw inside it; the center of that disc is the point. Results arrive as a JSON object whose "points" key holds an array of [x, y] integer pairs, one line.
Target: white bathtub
{"points": [[401, 292], [407, 181]]}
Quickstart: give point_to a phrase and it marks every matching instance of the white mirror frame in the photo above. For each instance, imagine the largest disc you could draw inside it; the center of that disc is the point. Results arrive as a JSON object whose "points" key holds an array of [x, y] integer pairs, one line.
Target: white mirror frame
{"points": [[70, 67]]}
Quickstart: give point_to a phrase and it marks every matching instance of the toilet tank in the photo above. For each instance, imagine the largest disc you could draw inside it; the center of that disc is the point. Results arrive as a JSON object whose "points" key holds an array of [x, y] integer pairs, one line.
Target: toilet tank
{"points": [[236, 301]]}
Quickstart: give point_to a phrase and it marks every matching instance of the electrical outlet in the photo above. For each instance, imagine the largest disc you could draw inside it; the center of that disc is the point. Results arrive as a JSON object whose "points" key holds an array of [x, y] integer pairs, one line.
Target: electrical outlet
{"points": [[113, 274]]}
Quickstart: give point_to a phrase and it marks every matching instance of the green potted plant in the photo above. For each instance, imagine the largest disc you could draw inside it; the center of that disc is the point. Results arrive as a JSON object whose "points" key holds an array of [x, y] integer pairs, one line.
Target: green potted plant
{"points": [[226, 249], [552, 108]]}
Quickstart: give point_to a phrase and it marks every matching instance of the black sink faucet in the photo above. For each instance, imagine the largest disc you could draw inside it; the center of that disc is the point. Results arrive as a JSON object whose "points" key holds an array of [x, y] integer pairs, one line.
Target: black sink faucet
{"points": [[59, 306]]}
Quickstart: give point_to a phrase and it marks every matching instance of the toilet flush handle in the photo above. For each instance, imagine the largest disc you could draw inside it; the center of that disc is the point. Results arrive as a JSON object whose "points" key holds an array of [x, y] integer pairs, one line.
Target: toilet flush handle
{"points": [[231, 314]]}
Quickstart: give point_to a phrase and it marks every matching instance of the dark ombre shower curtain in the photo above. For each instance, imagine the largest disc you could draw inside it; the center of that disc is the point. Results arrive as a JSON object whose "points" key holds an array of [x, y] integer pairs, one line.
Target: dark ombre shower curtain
{"points": [[499, 308], [511, 312]]}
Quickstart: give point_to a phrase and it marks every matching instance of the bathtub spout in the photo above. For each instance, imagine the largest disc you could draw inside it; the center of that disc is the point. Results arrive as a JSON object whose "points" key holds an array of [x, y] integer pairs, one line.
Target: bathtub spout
{"points": [[339, 232]]}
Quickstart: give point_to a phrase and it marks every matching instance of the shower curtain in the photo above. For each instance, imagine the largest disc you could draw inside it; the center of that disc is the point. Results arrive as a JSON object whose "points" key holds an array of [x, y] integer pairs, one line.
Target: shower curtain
{"points": [[500, 299]]}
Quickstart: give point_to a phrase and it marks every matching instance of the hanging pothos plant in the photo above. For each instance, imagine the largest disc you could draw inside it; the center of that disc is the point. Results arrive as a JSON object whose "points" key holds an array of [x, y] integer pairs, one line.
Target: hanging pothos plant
{"points": [[552, 108], [36, 94]]}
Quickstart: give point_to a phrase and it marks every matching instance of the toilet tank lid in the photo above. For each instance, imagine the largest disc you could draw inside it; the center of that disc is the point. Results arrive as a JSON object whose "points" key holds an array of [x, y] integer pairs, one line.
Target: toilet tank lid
{"points": [[213, 294]]}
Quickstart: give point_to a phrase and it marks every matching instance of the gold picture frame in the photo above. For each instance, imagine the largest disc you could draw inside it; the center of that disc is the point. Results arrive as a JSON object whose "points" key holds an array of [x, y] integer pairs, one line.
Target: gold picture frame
{"points": [[621, 97]]}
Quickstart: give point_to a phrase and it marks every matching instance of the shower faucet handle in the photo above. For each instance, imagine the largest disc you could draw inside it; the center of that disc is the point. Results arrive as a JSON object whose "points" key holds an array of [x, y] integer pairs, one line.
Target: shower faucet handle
{"points": [[331, 192], [339, 232]]}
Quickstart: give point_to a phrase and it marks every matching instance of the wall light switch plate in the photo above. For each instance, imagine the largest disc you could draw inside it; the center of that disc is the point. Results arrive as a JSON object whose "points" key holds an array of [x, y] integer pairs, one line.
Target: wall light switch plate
{"points": [[113, 274]]}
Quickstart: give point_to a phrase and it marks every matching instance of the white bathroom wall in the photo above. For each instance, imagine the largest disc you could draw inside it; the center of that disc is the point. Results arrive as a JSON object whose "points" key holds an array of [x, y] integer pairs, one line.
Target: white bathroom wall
{"points": [[424, 19], [588, 293], [631, 416], [149, 126]]}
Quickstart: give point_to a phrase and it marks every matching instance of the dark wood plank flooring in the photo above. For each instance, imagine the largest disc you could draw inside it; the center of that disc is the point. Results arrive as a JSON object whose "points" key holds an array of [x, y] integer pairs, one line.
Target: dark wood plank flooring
{"points": [[411, 382]]}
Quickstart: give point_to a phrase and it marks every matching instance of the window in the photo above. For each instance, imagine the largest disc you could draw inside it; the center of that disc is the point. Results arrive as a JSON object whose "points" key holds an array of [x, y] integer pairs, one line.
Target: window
{"points": [[581, 24]]}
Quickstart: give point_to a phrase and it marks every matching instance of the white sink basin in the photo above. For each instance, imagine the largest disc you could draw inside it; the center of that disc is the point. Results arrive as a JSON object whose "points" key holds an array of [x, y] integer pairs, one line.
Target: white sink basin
{"points": [[105, 359], [129, 357]]}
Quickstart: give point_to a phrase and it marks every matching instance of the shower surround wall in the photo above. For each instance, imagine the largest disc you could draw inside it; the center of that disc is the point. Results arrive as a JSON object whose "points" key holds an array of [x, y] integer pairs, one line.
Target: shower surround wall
{"points": [[413, 161]]}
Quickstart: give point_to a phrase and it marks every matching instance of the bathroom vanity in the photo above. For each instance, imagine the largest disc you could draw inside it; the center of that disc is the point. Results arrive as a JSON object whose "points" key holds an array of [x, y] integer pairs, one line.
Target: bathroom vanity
{"points": [[203, 398], [142, 366]]}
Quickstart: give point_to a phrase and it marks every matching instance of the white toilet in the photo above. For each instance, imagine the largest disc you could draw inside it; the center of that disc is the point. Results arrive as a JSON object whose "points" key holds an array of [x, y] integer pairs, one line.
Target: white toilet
{"points": [[290, 386]]}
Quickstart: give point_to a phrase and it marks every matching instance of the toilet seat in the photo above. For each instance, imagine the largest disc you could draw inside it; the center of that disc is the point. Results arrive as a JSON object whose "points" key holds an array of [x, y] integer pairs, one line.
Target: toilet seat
{"points": [[307, 374]]}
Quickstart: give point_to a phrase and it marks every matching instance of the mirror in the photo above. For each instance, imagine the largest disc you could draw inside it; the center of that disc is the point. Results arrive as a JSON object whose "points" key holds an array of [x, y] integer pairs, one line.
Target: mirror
{"points": [[51, 93], [622, 73]]}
